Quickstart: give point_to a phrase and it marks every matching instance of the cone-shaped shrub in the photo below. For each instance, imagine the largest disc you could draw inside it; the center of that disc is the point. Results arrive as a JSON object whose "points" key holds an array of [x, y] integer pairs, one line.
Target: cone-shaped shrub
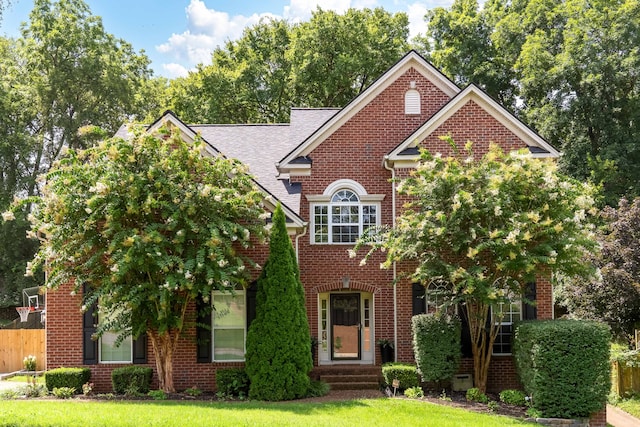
{"points": [[278, 359]]}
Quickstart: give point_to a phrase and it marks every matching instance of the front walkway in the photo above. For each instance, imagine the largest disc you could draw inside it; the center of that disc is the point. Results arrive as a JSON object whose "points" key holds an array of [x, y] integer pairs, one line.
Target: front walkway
{"points": [[618, 418]]}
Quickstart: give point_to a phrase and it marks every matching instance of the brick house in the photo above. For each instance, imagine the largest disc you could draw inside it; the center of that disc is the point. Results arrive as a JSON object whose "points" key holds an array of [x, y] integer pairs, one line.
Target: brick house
{"points": [[331, 169]]}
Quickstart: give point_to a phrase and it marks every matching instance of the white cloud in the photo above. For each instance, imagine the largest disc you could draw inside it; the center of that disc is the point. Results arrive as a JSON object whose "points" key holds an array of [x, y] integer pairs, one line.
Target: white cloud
{"points": [[416, 12], [300, 10], [207, 29], [174, 70]]}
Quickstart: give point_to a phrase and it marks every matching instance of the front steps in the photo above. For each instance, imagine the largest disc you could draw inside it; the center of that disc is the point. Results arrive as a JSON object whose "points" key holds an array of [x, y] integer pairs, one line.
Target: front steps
{"points": [[349, 377]]}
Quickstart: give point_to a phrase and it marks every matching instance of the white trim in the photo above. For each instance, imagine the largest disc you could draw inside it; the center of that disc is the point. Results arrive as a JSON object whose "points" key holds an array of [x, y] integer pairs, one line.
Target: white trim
{"points": [[411, 60], [471, 93], [344, 183]]}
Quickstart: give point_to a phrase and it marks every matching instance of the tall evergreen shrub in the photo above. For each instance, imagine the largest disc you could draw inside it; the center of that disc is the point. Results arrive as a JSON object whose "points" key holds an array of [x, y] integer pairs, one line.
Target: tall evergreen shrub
{"points": [[278, 359], [564, 366], [436, 346]]}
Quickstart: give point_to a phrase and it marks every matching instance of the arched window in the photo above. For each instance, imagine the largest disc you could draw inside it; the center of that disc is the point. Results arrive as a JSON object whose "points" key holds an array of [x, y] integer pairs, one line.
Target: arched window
{"points": [[344, 215]]}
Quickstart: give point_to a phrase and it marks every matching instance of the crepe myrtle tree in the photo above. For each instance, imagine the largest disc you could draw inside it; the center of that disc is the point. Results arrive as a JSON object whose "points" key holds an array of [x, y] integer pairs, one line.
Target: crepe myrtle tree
{"points": [[485, 227], [145, 226]]}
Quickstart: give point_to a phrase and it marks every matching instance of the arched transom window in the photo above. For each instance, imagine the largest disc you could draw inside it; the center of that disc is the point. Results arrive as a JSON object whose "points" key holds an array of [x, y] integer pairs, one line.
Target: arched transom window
{"points": [[344, 216]]}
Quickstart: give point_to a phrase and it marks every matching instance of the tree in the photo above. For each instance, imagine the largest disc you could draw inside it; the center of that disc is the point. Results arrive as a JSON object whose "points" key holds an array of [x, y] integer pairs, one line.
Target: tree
{"points": [[65, 72], [485, 228], [146, 226], [278, 359], [275, 65], [613, 296], [568, 68]]}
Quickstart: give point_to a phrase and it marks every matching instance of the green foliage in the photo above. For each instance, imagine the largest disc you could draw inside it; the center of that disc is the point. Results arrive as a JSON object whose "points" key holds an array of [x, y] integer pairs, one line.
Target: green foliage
{"points": [[414, 393], [564, 366], [436, 346], [493, 405], [193, 391], [613, 296], [324, 62], [405, 373], [63, 392], [63, 72], [568, 68], [318, 389], [67, 377], [476, 395], [278, 359], [513, 397], [157, 394], [232, 382], [131, 379], [34, 390]]}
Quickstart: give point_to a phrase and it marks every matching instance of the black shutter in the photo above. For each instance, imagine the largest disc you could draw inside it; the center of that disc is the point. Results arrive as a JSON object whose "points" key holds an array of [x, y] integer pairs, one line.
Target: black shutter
{"points": [[89, 345], [252, 292], [140, 349], [418, 299], [203, 331], [530, 312]]}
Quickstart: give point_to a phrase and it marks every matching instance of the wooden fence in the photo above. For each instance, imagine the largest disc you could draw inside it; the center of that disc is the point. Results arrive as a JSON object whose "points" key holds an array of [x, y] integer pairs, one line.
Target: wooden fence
{"points": [[624, 379], [16, 344]]}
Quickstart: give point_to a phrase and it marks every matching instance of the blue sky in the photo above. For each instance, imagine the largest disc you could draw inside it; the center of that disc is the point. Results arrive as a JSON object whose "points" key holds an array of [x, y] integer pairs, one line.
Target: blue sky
{"points": [[178, 34]]}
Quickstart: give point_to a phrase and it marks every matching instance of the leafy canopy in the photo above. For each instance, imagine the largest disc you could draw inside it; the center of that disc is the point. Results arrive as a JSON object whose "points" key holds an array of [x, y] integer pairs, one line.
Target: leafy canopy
{"points": [[488, 226], [148, 224]]}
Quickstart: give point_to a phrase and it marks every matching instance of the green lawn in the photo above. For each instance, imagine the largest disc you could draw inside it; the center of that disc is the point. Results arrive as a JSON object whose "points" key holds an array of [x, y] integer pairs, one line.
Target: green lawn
{"points": [[630, 406], [373, 412]]}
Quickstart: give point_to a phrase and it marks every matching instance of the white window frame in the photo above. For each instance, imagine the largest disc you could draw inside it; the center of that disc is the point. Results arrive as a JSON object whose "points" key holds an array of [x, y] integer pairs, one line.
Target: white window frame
{"points": [[509, 318], [243, 327], [113, 335], [328, 201]]}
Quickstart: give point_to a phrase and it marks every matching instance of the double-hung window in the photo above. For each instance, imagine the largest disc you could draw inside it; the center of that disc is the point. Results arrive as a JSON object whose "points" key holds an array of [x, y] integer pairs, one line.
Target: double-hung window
{"points": [[109, 352], [229, 326], [343, 215], [505, 315]]}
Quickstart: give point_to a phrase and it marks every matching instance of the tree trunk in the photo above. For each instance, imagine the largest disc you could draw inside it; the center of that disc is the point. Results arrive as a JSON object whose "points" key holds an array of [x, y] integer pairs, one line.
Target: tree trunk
{"points": [[482, 339], [163, 349]]}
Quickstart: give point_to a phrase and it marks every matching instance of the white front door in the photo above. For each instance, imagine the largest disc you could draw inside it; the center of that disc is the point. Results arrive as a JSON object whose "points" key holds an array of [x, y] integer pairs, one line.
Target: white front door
{"points": [[345, 325]]}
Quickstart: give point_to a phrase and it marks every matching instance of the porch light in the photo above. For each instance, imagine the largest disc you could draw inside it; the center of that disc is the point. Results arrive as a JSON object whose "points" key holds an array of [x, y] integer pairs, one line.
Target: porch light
{"points": [[345, 282]]}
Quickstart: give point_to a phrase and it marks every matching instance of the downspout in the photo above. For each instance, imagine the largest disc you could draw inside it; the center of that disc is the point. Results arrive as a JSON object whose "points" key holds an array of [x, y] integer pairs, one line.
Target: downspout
{"points": [[385, 164], [305, 228]]}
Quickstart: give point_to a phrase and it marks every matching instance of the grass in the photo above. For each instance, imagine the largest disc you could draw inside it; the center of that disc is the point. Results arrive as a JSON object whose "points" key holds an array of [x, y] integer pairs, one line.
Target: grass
{"points": [[23, 379], [371, 412], [630, 406]]}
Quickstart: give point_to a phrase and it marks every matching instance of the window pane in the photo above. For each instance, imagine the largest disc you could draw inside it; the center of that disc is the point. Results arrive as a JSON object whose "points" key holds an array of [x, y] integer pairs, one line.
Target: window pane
{"points": [[321, 224], [345, 234], [228, 344], [229, 310], [110, 353]]}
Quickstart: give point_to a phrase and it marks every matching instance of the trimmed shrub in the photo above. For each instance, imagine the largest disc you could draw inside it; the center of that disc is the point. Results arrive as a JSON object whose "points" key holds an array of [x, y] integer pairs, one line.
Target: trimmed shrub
{"points": [[67, 377], [132, 380], [436, 346], [564, 366], [318, 389], [278, 357], [513, 397], [232, 382], [475, 395], [405, 373]]}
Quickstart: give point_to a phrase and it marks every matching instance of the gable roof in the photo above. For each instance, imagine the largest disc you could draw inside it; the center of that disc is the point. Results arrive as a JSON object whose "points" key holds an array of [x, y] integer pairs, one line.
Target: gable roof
{"points": [[296, 161], [407, 150]]}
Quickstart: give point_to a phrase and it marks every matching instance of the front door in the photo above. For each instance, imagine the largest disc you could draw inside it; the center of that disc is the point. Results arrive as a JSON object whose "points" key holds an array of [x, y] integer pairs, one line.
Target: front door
{"points": [[345, 326]]}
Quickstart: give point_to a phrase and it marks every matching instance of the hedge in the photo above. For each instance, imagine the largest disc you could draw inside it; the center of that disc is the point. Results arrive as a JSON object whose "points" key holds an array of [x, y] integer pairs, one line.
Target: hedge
{"points": [[436, 346], [73, 378], [564, 366], [131, 380], [406, 374], [232, 382]]}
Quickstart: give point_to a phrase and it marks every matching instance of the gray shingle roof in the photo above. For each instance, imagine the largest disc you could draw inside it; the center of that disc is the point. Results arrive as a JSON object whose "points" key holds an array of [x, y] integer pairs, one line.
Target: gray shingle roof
{"points": [[262, 145]]}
